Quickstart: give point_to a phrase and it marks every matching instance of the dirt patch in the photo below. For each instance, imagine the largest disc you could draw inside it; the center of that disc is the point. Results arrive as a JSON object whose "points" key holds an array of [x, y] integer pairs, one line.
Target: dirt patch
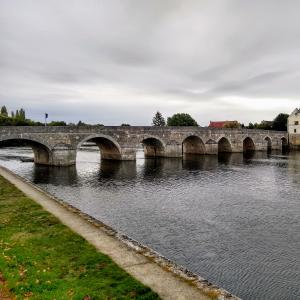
{"points": [[4, 290], [22, 236]]}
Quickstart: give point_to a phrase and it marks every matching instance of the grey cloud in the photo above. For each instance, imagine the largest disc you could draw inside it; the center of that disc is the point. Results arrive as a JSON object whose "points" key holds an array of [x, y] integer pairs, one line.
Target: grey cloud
{"points": [[248, 83], [126, 59]]}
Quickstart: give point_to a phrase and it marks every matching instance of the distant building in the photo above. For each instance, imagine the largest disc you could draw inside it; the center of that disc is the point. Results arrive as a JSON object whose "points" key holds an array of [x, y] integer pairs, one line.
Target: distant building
{"points": [[294, 122], [224, 124], [218, 124], [294, 128]]}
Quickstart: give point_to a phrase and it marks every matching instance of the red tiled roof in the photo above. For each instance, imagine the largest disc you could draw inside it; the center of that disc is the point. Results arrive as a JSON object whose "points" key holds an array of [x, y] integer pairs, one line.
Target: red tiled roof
{"points": [[219, 124]]}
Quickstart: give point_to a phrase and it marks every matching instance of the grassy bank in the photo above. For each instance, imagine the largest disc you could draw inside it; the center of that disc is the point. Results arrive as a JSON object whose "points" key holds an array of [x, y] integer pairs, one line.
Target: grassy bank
{"points": [[40, 258]]}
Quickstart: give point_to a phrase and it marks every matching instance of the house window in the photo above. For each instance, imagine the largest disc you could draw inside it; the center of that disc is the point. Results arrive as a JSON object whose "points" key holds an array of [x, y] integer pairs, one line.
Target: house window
{"points": [[296, 122], [295, 130]]}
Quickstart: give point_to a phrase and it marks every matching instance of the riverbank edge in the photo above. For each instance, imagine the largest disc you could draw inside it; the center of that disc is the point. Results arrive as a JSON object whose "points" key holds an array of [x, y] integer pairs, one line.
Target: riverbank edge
{"points": [[169, 280]]}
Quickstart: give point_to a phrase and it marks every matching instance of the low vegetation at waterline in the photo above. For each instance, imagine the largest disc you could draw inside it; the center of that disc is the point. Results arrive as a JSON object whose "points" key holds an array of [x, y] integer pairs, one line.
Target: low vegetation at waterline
{"points": [[40, 258]]}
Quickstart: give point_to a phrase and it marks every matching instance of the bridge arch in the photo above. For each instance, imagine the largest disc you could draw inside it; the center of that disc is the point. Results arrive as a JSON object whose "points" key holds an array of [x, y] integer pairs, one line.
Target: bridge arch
{"points": [[109, 147], [248, 144], [41, 152], [284, 144], [153, 146], [267, 143], [224, 145], [193, 144]]}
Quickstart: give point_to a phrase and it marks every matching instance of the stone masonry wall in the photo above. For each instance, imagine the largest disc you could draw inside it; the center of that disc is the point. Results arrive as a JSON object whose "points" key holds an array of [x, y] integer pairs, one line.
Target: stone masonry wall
{"points": [[62, 142]]}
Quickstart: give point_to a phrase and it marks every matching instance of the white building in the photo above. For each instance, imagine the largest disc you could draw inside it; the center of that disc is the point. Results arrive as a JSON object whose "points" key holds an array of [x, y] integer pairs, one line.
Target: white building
{"points": [[294, 128]]}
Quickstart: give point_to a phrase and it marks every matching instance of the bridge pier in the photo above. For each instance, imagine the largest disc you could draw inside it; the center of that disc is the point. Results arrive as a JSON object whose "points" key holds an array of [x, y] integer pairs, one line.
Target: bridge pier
{"points": [[173, 150], [211, 147], [67, 157], [62, 156], [276, 145], [126, 154], [237, 147], [260, 147], [41, 155]]}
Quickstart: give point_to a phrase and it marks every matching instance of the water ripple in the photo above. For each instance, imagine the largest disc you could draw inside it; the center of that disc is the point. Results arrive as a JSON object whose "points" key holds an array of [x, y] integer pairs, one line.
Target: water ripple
{"points": [[234, 221]]}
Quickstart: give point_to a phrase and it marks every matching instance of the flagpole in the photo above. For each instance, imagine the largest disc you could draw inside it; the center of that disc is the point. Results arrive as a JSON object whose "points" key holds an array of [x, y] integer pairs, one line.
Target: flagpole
{"points": [[46, 116]]}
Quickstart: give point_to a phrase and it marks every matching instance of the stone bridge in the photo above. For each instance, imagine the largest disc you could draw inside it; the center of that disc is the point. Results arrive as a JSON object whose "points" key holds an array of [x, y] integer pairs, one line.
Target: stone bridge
{"points": [[58, 145]]}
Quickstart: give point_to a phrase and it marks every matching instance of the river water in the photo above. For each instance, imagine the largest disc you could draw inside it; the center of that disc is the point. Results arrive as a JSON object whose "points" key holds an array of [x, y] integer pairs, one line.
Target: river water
{"points": [[234, 220]]}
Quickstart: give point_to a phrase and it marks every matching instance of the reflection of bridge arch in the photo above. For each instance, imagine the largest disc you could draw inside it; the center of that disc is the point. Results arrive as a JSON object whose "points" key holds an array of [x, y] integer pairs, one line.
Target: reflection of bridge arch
{"points": [[248, 145], [109, 147], [40, 150], [153, 146], [224, 145], [268, 143], [193, 145]]}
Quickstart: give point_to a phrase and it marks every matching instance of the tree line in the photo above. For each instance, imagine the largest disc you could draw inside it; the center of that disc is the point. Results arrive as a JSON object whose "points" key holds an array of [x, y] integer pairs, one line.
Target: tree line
{"points": [[18, 118], [182, 119]]}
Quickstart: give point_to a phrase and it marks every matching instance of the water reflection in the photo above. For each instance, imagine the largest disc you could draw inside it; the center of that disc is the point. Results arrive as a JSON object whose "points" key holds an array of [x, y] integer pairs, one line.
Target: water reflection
{"points": [[117, 170], [153, 167], [248, 155], [150, 168], [293, 167], [160, 167], [43, 174], [226, 158], [200, 162], [232, 218]]}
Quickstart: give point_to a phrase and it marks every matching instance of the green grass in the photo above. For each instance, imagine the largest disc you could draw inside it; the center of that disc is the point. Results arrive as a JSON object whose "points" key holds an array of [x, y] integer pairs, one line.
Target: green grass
{"points": [[40, 258]]}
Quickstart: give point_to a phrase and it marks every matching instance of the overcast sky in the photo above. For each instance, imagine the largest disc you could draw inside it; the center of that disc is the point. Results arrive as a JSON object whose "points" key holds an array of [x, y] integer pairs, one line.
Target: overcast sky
{"points": [[116, 62]]}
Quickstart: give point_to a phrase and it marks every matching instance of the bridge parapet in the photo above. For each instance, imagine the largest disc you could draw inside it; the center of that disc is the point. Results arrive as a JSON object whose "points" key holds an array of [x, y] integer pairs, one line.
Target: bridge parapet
{"points": [[145, 129]]}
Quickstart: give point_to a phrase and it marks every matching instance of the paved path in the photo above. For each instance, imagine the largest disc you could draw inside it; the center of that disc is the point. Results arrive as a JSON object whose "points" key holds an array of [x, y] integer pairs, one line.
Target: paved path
{"points": [[161, 280]]}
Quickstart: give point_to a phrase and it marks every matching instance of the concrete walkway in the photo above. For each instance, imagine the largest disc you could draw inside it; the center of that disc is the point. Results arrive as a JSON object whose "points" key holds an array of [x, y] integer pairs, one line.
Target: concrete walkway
{"points": [[152, 270]]}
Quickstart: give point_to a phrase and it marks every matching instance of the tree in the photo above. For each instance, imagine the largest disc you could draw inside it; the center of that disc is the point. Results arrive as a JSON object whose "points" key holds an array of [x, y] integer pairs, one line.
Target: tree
{"points": [[181, 119], [57, 123], [280, 122], [80, 123], [125, 125], [17, 118], [22, 114], [158, 120], [265, 125], [4, 111]]}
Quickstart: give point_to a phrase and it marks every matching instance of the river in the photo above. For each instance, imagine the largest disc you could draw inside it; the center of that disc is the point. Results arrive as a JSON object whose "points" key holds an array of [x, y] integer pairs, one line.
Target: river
{"points": [[234, 220]]}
